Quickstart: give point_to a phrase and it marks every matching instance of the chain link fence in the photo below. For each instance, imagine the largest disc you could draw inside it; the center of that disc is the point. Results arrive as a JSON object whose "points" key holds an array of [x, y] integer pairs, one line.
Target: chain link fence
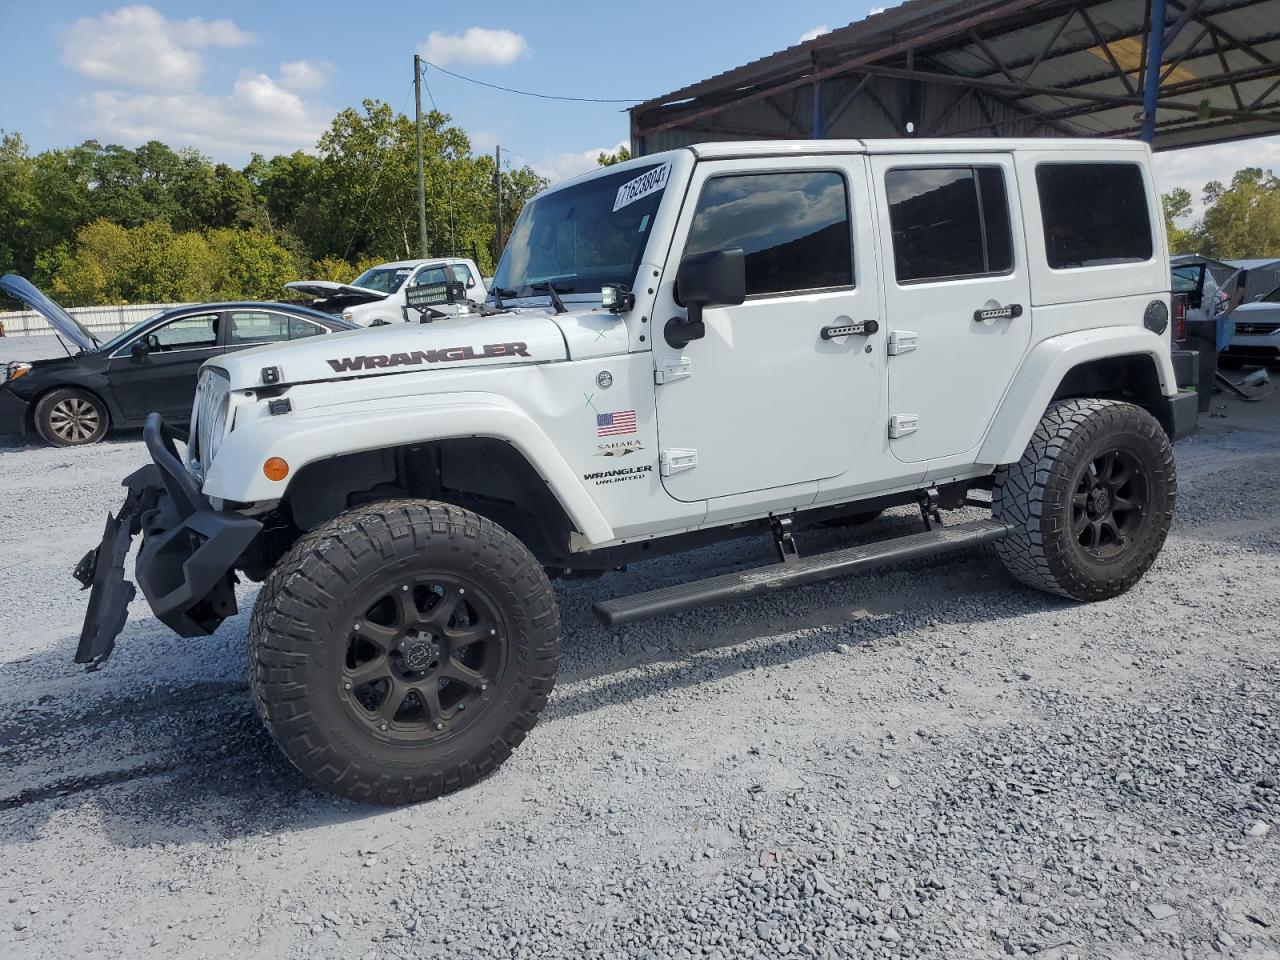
{"points": [[99, 320]]}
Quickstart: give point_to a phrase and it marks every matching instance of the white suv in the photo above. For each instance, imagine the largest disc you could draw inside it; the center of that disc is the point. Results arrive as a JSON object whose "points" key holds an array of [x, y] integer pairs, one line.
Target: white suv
{"points": [[380, 295], [718, 341]]}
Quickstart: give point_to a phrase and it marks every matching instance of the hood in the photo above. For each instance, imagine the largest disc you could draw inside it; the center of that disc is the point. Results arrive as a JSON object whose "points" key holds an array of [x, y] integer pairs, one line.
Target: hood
{"points": [[401, 348], [324, 289], [21, 289]]}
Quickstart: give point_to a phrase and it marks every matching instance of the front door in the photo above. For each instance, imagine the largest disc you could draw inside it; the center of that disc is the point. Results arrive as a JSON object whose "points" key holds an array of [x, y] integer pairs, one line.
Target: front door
{"points": [[163, 379], [772, 395], [957, 296]]}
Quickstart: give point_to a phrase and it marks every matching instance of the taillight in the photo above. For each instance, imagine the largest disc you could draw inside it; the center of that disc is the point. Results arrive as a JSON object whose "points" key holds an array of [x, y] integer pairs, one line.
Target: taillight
{"points": [[1180, 317]]}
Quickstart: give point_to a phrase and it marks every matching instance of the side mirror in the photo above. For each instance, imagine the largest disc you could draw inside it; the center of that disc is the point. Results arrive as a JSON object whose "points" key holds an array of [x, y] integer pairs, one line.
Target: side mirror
{"points": [[717, 278], [140, 349]]}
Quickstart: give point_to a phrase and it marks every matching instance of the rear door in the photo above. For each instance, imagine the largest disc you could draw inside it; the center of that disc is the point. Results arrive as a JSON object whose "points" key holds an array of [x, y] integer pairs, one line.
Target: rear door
{"points": [[164, 380], [957, 296]]}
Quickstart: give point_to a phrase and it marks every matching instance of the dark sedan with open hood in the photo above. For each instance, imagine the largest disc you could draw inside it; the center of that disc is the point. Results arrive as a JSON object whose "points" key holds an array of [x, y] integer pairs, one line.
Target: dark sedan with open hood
{"points": [[73, 400]]}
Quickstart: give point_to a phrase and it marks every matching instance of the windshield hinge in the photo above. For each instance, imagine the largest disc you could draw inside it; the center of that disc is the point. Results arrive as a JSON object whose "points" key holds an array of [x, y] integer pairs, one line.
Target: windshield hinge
{"points": [[673, 371]]}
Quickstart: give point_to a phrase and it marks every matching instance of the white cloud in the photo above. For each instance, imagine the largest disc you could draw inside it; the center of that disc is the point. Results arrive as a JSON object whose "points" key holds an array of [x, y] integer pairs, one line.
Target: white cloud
{"points": [[1192, 168], [478, 45], [137, 46], [875, 10], [562, 166], [814, 33], [304, 75], [259, 114]]}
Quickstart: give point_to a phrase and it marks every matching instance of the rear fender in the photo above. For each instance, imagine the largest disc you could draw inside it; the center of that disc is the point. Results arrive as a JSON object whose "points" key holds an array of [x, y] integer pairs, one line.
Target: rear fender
{"points": [[300, 439], [1044, 368]]}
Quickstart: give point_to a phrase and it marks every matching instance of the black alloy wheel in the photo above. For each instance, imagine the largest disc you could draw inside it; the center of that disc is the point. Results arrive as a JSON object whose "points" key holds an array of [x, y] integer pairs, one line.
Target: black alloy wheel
{"points": [[1109, 505], [424, 653]]}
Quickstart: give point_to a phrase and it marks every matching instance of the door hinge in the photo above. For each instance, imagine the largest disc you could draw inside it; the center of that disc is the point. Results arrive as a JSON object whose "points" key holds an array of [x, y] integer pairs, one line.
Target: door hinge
{"points": [[902, 341], [675, 460], [672, 372], [903, 425]]}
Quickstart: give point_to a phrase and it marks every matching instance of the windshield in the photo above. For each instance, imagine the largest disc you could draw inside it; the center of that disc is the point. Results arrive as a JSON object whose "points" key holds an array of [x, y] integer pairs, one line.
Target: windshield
{"points": [[382, 279], [124, 335], [583, 236]]}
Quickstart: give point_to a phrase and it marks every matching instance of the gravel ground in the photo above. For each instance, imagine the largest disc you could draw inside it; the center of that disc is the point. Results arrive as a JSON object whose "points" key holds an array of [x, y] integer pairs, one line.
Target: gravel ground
{"points": [[927, 762]]}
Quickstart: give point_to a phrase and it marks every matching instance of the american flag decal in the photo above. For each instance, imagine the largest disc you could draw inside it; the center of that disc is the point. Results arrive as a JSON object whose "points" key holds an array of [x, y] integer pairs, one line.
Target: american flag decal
{"points": [[613, 424]]}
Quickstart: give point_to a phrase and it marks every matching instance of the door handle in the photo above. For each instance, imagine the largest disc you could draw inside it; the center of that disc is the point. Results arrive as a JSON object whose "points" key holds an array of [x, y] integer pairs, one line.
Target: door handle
{"points": [[863, 328], [989, 314]]}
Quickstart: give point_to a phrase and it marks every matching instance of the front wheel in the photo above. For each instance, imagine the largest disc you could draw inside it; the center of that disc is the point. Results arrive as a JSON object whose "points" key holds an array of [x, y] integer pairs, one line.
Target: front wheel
{"points": [[1090, 502], [70, 418], [403, 650]]}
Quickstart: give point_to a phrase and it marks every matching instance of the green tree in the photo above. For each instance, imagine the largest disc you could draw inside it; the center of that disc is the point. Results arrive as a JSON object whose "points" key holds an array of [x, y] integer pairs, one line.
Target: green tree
{"points": [[248, 264], [1243, 219], [621, 155], [1177, 206]]}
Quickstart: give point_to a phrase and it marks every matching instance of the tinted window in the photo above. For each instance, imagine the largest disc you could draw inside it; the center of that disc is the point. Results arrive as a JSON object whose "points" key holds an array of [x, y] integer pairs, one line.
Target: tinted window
{"points": [[793, 228], [461, 273], [948, 222], [258, 326], [1094, 214], [299, 328], [188, 333]]}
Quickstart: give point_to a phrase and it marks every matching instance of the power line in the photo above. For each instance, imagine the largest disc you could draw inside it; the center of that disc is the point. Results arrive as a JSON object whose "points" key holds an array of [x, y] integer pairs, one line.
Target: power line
{"points": [[528, 93]]}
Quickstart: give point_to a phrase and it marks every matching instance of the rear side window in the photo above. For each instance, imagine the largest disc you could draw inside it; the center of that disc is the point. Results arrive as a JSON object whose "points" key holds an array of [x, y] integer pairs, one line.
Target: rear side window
{"points": [[1094, 214], [948, 222], [793, 227]]}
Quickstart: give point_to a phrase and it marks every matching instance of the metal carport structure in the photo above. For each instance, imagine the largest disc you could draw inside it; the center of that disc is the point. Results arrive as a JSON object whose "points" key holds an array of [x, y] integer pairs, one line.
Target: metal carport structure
{"points": [[1179, 73]]}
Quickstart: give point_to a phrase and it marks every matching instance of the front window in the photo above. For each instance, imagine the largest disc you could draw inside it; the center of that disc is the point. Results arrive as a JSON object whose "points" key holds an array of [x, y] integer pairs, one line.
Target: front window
{"points": [[382, 279], [583, 236], [187, 333]]}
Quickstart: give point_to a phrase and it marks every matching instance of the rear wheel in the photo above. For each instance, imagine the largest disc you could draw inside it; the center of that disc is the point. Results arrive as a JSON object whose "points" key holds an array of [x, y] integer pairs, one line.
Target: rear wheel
{"points": [[403, 650], [1090, 502], [70, 417]]}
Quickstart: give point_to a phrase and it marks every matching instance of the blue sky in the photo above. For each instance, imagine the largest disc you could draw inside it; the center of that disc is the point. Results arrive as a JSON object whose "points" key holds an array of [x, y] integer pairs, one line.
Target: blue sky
{"points": [[233, 77]]}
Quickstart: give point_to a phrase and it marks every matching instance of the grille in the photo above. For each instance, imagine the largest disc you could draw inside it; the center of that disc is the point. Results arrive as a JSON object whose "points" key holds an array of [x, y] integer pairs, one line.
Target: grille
{"points": [[1253, 329], [209, 416]]}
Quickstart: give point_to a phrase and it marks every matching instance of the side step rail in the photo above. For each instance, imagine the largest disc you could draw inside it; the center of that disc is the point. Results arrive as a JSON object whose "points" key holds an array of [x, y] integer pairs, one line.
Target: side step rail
{"points": [[793, 573]]}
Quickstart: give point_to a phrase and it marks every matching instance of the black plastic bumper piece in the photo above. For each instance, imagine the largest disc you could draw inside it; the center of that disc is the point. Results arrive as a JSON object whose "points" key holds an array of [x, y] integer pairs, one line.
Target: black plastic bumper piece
{"points": [[13, 413], [101, 570], [186, 566], [824, 566], [1184, 412]]}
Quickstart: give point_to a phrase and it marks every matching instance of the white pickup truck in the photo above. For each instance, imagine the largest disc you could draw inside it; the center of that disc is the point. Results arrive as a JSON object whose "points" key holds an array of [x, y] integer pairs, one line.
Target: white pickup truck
{"points": [[380, 294]]}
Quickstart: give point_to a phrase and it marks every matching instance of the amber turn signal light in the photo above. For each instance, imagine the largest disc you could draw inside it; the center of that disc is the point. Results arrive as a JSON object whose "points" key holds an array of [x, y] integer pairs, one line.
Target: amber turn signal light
{"points": [[275, 469]]}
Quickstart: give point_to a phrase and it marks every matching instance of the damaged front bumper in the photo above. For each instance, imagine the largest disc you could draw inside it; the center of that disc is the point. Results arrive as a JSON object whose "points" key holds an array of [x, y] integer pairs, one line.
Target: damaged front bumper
{"points": [[186, 565]]}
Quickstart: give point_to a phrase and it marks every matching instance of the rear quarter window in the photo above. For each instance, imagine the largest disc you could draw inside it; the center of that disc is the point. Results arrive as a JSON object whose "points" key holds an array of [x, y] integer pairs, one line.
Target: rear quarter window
{"points": [[1094, 214]]}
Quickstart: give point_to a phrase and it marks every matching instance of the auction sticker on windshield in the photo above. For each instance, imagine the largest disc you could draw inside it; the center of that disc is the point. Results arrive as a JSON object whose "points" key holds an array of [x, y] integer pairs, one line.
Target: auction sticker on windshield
{"points": [[651, 181]]}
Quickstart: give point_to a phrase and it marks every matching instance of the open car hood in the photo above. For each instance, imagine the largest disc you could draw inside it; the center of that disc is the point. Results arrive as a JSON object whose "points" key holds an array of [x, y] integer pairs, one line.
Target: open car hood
{"points": [[22, 289], [324, 289]]}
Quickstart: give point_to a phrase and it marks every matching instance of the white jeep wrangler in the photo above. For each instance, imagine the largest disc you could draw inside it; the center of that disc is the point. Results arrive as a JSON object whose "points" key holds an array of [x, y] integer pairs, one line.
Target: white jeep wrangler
{"points": [[697, 345]]}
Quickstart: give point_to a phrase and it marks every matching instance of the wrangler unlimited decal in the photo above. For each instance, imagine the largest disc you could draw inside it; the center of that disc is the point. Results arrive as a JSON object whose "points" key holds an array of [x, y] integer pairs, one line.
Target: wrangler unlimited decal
{"points": [[377, 361]]}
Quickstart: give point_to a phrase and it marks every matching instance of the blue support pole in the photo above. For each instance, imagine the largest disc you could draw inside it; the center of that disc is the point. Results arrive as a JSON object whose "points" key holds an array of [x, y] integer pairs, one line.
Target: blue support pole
{"points": [[815, 131], [1155, 58]]}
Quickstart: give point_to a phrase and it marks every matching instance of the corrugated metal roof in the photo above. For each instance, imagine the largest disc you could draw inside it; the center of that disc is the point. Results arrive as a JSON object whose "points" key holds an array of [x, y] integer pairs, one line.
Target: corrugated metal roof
{"points": [[1026, 67]]}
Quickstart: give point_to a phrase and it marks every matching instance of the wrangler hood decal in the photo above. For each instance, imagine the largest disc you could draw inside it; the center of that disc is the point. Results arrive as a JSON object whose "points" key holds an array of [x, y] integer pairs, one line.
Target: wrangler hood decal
{"points": [[401, 348]]}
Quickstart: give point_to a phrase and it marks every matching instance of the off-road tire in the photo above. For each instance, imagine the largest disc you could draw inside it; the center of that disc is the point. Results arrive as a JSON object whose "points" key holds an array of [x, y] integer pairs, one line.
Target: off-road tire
{"points": [[298, 648], [1035, 496], [68, 417]]}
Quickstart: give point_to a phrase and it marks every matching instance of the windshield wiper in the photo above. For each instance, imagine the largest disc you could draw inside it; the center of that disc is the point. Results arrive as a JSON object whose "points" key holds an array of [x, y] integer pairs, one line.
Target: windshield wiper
{"points": [[499, 293], [553, 293]]}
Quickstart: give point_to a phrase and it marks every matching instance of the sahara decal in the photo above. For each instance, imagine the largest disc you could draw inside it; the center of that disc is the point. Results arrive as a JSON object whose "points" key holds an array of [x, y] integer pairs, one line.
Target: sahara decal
{"points": [[378, 361], [601, 477], [619, 448]]}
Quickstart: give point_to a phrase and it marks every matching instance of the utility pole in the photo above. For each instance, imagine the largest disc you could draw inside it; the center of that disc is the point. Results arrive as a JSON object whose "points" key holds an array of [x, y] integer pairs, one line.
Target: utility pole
{"points": [[422, 181], [497, 182]]}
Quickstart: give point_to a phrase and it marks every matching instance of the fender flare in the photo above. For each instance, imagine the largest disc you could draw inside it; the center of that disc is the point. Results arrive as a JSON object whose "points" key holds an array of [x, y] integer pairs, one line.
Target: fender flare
{"points": [[1043, 369], [306, 437]]}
